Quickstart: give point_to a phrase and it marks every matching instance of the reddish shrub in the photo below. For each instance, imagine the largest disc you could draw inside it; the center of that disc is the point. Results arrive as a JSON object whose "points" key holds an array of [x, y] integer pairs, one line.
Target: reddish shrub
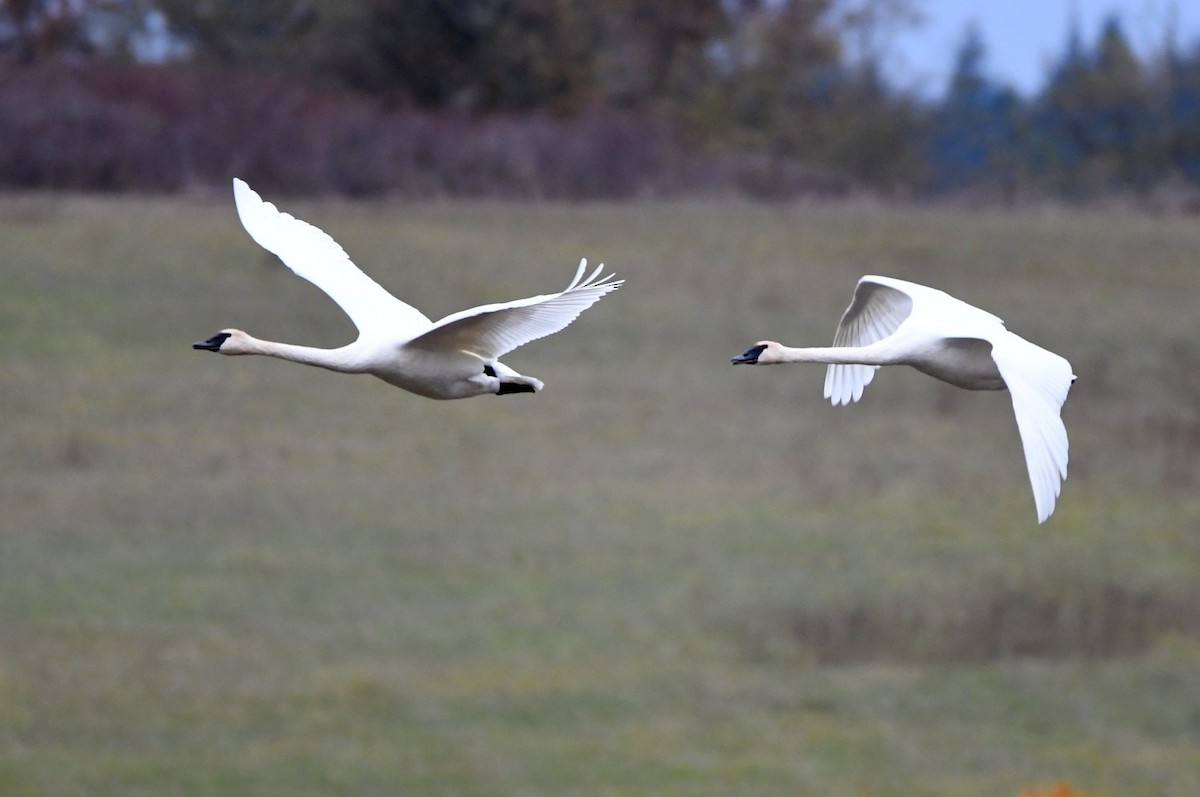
{"points": [[108, 128]]}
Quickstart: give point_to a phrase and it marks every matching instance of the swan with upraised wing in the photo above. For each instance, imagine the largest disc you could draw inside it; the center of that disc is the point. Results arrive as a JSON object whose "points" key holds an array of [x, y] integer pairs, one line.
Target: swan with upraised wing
{"points": [[456, 357]]}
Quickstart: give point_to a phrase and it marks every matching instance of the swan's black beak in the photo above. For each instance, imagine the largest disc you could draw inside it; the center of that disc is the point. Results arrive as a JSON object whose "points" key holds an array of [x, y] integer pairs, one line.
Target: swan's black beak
{"points": [[748, 357], [213, 343]]}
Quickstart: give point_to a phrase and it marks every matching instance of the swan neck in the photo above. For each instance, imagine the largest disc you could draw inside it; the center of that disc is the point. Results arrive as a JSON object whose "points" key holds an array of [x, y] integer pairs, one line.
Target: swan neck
{"points": [[341, 359], [836, 355]]}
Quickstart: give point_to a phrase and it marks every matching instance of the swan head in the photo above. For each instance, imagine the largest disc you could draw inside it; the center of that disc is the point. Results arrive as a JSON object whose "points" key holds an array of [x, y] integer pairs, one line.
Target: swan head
{"points": [[227, 341], [765, 352]]}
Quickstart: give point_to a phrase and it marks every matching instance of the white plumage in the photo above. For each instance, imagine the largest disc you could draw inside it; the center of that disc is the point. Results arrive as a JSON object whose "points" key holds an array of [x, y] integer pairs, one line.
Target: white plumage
{"points": [[456, 357], [895, 322]]}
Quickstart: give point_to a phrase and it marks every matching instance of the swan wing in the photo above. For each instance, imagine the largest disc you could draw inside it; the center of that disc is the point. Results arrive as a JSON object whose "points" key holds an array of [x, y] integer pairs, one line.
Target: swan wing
{"points": [[492, 330], [880, 305], [316, 257], [1038, 381]]}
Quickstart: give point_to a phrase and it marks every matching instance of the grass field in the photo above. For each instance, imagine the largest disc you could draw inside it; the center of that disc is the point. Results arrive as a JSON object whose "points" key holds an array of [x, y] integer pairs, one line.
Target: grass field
{"points": [[662, 575]]}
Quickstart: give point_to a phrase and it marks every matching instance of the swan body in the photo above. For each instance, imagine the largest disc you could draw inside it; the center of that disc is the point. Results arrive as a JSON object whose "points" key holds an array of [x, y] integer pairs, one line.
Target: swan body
{"points": [[895, 322], [456, 357]]}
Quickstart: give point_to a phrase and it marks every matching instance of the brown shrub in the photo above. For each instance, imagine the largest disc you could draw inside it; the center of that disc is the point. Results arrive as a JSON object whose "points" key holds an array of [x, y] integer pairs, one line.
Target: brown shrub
{"points": [[996, 621], [102, 127]]}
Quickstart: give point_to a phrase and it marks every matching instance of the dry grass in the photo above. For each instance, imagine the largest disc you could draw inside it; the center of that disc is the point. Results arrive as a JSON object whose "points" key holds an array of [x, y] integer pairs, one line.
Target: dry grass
{"points": [[247, 577]]}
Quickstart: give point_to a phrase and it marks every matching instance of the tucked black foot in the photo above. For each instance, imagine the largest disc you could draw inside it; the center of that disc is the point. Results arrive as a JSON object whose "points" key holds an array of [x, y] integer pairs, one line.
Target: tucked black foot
{"points": [[515, 387]]}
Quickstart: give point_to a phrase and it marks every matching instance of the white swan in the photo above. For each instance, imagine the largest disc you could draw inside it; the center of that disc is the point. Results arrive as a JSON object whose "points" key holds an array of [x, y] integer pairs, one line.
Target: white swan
{"points": [[456, 357], [894, 322]]}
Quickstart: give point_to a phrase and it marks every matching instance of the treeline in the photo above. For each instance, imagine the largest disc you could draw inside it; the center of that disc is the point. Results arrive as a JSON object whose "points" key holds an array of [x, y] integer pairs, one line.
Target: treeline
{"points": [[567, 98], [1104, 122]]}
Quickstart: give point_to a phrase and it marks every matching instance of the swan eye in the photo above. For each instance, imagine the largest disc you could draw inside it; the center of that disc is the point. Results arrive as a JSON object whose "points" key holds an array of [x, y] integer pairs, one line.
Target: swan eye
{"points": [[488, 370]]}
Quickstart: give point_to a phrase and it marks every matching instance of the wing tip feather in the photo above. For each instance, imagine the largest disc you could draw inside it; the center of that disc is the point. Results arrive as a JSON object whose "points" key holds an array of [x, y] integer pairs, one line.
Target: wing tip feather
{"points": [[593, 280]]}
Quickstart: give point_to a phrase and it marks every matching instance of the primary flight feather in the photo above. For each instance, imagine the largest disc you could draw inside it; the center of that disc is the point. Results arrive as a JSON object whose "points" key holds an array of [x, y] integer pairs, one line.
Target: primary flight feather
{"points": [[456, 357], [895, 322]]}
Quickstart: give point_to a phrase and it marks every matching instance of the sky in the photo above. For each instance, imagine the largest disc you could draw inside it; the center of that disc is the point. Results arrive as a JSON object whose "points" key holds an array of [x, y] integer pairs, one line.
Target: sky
{"points": [[1024, 37]]}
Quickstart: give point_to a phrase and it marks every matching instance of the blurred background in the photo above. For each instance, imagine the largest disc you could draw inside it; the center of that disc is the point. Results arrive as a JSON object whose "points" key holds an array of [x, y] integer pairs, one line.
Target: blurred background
{"points": [[662, 575], [580, 99]]}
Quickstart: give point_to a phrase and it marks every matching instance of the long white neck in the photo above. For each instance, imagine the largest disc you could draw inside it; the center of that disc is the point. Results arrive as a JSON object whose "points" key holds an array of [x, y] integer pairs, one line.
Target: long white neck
{"points": [[837, 355], [345, 359]]}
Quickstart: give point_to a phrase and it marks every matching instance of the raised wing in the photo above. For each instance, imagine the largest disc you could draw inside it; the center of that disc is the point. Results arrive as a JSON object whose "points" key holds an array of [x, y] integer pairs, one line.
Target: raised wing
{"points": [[318, 258], [1038, 381], [876, 311], [492, 330]]}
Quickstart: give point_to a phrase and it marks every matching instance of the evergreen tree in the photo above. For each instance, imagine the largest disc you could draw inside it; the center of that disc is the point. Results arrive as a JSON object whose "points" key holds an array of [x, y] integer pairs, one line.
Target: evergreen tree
{"points": [[1182, 111], [38, 29], [1095, 126], [660, 50], [1122, 121], [478, 54], [974, 139], [1059, 141], [278, 33], [783, 80]]}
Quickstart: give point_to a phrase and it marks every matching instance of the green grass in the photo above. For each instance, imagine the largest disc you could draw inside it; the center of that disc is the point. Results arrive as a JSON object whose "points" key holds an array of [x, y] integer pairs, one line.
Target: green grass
{"points": [[662, 575]]}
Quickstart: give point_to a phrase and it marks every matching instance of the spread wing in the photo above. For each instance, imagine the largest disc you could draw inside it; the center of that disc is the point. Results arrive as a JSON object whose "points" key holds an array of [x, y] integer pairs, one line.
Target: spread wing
{"points": [[492, 330], [876, 311], [1038, 381], [318, 258]]}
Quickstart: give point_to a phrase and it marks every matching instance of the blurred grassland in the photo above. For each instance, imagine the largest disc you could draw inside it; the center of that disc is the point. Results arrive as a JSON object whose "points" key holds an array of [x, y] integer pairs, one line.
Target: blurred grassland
{"points": [[662, 575]]}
